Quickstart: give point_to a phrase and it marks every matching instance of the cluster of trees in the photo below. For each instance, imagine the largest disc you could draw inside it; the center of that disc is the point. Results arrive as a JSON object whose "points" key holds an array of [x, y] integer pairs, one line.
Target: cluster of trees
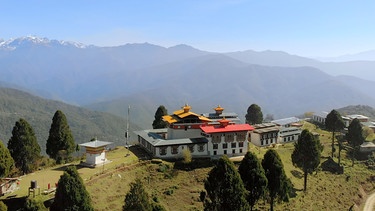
{"points": [[231, 189], [354, 135], [228, 188], [23, 151]]}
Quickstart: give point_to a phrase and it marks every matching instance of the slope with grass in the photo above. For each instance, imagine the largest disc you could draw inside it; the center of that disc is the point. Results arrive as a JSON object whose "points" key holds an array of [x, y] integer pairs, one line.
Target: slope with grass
{"points": [[177, 186], [85, 124]]}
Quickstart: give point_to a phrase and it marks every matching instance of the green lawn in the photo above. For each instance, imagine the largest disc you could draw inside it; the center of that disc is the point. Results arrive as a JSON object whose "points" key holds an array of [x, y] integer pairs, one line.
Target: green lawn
{"points": [[179, 189]]}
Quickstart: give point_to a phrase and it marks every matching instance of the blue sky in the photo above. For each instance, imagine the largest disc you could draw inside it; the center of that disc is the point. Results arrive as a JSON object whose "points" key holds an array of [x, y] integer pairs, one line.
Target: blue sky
{"points": [[302, 27]]}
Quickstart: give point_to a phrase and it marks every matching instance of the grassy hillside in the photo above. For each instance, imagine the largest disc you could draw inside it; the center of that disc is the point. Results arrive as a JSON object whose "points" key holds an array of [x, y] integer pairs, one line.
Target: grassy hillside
{"points": [[178, 188], [85, 124]]}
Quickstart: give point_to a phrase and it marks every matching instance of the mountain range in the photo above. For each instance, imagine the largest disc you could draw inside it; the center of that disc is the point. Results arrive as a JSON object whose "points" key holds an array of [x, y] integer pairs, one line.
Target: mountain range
{"points": [[144, 76], [85, 124]]}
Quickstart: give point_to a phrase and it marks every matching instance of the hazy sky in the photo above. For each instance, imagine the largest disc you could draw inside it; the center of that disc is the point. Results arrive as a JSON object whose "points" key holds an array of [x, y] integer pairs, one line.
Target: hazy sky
{"points": [[302, 27]]}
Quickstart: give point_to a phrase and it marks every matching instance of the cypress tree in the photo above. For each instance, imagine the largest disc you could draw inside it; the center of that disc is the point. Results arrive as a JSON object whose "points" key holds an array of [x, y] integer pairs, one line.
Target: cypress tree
{"points": [[254, 114], [6, 161], [71, 193], [355, 137], [253, 177], [279, 186], [60, 142], [334, 123], [137, 198], [225, 188], [24, 147], [306, 154], [158, 122]]}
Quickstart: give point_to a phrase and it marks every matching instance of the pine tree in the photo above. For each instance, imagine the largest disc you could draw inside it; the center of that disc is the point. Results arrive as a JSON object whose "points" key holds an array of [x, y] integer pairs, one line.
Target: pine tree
{"points": [[254, 115], [24, 147], [158, 122], [355, 137], [334, 123], [6, 161], [225, 188], [71, 193], [253, 177], [279, 186], [60, 142], [137, 198], [306, 154]]}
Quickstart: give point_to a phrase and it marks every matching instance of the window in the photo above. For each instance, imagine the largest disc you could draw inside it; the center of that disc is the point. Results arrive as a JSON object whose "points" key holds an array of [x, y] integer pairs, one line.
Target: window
{"points": [[216, 138], [191, 148], [163, 150], [174, 150], [240, 150], [225, 152], [233, 145], [201, 148], [215, 146], [261, 143], [225, 145], [233, 151], [215, 153], [241, 144]]}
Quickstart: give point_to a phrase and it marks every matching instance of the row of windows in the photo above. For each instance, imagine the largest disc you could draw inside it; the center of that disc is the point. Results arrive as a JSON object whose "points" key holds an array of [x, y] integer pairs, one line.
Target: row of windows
{"points": [[175, 149], [226, 152], [268, 135], [229, 137], [266, 141], [290, 138], [225, 145]]}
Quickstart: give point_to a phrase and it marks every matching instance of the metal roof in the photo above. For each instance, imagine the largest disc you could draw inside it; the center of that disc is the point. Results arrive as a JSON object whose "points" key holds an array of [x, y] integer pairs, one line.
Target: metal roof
{"points": [[96, 144], [152, 137], [286, 121]]}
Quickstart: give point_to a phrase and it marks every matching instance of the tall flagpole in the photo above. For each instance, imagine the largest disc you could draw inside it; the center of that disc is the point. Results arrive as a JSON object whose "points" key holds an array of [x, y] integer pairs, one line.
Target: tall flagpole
{"points": [[127, 131], [127, 128]]}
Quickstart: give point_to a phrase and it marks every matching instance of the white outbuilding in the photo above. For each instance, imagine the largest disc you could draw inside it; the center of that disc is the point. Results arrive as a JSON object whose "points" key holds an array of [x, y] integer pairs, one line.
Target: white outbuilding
{"points": [[95, 152]]}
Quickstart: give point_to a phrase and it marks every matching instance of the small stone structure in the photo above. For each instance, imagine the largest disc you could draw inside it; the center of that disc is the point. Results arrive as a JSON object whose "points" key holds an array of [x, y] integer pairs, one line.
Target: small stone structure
{"points": [[95, 153]]}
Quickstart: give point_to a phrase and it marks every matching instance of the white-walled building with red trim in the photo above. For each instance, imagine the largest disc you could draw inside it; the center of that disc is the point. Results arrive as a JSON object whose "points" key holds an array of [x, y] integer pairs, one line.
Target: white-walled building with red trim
{"points": [[204, 137]]}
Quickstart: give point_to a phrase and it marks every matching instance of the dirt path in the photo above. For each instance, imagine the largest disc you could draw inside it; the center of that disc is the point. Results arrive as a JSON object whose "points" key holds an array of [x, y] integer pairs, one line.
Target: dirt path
{"points": [[370, 203]]}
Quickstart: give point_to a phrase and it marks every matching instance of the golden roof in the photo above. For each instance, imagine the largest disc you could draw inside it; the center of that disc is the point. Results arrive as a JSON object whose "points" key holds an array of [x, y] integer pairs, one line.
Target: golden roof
{"points": [[182, 113]]}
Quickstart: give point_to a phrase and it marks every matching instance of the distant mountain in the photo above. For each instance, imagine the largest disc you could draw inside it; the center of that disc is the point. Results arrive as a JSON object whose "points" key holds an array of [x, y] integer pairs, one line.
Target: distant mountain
{"points": [[272, 58], [208, 81], [362, 56], [81, 74], [85, 124], [145, 76], [360, 69], [358, 109]]}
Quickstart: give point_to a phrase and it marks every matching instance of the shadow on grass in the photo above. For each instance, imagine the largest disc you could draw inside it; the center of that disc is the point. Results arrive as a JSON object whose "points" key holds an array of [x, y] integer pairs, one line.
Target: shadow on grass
{"points": [[194, 164], [15, 203], [331, 166], [297, 174], [141, 153], [62, 168]]}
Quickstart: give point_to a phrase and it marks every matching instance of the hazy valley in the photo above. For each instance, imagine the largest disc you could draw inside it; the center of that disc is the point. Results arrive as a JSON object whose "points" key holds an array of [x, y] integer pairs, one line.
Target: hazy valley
{"points": [[144, 76]]}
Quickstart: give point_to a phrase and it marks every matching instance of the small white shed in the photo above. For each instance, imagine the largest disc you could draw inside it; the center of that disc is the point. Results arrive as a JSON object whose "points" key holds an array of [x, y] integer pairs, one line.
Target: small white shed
{"points": [[95, 152]]}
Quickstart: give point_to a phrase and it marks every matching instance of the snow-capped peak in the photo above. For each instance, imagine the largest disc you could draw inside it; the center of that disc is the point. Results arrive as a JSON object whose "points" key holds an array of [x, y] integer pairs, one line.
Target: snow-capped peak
{"points": [[20, 42]]}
